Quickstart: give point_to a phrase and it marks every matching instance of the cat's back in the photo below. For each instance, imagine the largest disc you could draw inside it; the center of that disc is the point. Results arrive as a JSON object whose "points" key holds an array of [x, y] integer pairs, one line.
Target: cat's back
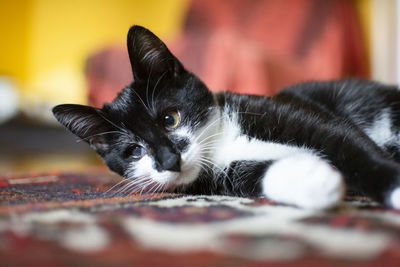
{"points": [[351, 98]]}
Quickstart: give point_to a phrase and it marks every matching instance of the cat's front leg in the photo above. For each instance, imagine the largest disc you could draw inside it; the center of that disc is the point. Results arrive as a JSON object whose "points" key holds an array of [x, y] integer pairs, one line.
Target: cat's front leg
{"points": [[304, 180]]}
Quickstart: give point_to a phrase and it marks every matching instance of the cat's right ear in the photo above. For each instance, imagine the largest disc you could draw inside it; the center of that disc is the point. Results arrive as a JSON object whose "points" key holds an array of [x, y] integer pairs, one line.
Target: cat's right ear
{"points": [[149, 56], [85, 122]]}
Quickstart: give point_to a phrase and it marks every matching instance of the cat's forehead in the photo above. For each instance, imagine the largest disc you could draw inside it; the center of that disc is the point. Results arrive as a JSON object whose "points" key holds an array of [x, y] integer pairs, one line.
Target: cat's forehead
{"points": [[153, 99], [143, 103]]}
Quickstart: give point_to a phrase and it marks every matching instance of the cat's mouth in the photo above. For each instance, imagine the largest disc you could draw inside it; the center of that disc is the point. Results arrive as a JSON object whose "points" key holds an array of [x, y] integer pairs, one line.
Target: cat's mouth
{"points": [[186, 176]]}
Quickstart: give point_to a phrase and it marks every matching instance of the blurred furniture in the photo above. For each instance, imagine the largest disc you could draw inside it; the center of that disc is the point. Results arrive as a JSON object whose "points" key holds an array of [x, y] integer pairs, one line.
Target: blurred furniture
{"points": [[259, 47]]}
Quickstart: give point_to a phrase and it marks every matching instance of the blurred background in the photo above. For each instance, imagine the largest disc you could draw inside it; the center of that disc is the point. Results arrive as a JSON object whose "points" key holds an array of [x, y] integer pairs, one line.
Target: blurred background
{"points": [[59, 51]]}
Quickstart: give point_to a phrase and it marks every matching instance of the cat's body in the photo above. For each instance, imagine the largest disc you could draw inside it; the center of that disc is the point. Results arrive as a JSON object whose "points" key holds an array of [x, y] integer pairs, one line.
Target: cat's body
{"points": [[307, 124], [167, 131]]}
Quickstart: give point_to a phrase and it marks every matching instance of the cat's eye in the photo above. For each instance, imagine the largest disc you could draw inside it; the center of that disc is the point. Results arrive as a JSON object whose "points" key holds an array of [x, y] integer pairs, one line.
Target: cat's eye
{"points": [[136, 152], [171, 120]]}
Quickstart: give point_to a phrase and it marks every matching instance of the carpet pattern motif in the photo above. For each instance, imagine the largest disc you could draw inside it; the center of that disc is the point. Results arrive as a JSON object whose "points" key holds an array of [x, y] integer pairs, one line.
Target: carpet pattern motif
{"points": [[62, 219]]}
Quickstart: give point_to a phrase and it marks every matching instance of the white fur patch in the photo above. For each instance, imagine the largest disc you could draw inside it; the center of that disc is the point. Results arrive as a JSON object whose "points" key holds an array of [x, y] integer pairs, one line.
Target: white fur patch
{"points": [[395, 198], [380, 130], [304, 180], [145, 168], [235, 147]]}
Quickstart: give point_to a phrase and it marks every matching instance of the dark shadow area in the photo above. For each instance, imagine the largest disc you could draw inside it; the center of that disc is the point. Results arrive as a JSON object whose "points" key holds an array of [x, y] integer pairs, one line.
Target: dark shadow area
{"points": [[27, 145]]}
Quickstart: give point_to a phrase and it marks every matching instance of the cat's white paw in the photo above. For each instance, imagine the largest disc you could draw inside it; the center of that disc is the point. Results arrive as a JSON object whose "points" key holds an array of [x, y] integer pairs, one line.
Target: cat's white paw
{"points": [[304, 180], [395, 198]]}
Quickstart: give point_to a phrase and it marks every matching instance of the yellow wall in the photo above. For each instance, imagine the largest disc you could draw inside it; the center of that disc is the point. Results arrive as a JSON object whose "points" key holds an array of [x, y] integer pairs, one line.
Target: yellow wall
{"points": [[44, 43], [363, 8], [14, 21]]}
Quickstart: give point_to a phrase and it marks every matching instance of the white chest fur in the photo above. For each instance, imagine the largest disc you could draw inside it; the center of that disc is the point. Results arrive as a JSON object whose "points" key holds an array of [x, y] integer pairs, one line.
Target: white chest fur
{"points": [[297, 175], [234, 146]]}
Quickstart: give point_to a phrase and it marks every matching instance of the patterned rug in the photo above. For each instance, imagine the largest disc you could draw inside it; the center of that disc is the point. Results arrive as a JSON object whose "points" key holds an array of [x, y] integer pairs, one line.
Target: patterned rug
{"points": [[87, 219]]}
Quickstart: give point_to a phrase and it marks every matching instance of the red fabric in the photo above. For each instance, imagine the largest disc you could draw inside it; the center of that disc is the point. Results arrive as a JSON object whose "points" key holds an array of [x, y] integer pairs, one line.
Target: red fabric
{"points": [[260, 46], [252, 46], [107, 72]]}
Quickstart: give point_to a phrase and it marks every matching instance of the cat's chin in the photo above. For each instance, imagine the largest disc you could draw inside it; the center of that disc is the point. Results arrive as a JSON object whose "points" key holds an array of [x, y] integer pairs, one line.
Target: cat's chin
{"points": [[186, 176]]}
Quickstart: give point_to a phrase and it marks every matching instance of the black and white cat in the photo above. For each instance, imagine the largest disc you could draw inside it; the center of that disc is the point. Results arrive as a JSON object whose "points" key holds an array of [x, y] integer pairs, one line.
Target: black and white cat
{"points": [[167, 132]]}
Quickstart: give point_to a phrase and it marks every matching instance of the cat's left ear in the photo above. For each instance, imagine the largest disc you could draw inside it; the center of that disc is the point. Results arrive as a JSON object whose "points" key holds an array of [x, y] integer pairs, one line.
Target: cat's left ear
{"points": [[149, 56], [87, 123]]}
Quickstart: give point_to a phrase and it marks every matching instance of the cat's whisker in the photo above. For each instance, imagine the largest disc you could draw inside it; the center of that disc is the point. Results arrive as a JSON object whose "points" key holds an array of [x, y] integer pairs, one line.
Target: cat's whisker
{"points": [[141, 100], [145, 185], [221, 169], [209, 137], [112, 194], [161, 187], [208, 126], [209, 148], [139, 184], [215, 171], [151, 185], [203, 166], [138, 180], [147, 90], [127, 186], [164, 187], [117, 184], [208, 163], [214, 143], [251, 113], [99, 134], [154, 89], [224, 117], [112, 123], [133, 187], [210, 145], [122, 189], [154, 188]]}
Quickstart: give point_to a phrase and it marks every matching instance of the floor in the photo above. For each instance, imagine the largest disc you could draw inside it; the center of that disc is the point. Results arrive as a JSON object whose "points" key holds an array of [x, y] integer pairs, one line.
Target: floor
{"points": [[89, 218]]}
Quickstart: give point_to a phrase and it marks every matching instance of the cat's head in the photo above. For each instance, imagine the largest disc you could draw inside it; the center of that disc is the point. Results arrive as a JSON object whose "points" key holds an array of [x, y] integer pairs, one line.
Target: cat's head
{"points": [[158, 130]]}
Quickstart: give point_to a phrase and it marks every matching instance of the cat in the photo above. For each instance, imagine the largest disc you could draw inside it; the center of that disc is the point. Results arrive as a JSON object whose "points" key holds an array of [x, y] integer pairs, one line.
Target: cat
{"points": [[304, 147]]}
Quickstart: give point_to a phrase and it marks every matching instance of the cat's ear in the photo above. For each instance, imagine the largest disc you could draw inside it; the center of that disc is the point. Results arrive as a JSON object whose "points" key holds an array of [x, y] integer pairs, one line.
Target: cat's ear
{"points": [[85, 122], [149, 56]]}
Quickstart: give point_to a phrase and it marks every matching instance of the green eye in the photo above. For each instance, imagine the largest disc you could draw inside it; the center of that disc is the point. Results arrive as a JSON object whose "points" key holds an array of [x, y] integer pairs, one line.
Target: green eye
{"points": [[171, 119]]}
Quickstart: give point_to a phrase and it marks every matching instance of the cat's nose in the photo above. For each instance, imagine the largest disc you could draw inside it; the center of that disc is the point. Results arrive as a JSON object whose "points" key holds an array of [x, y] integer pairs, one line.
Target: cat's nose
{"points": [[173, 163], [168, 160]]}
